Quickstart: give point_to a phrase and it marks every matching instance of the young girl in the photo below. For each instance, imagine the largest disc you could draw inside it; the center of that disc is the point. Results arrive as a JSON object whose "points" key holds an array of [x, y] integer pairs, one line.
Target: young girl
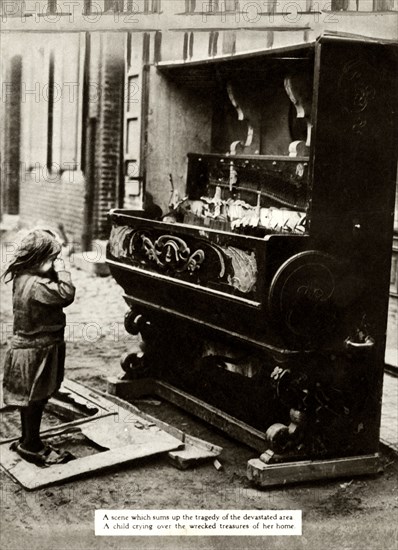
{"points": [[34, 363]]}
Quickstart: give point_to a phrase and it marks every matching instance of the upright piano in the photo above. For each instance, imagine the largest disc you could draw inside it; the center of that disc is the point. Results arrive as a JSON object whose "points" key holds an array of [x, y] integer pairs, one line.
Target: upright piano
{"points": [[260, 290]]}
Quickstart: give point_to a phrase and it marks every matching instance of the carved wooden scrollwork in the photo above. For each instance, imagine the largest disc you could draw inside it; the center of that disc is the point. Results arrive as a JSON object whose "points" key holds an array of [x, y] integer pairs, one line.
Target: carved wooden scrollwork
{"points": [[242, 117], [168, 251], [357, 92], [302, 297], [174, 255], [187, 258]]}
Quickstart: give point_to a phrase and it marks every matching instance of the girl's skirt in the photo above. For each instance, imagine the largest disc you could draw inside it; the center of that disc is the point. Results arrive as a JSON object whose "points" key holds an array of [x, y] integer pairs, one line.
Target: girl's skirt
{"points": [[33, 369]]}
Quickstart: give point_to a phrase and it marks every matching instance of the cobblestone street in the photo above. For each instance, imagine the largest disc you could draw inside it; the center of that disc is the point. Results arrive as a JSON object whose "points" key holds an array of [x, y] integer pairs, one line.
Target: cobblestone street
{"points": [[336, 514]]}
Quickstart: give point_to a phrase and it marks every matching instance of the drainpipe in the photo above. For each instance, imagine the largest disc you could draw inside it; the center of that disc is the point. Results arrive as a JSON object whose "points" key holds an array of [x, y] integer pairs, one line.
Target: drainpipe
{"points": [[89, 195], [88, 152]]}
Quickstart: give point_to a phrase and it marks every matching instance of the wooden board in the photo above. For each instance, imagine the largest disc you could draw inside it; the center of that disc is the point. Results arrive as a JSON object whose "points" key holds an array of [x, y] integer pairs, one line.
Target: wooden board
{"points": [[115, 432], [33, 477], [122, 428], [134, 430], [82, 394], [232, 426], [127, 436], [130, 389], [190, 456], [267, 475], [195, 450]]}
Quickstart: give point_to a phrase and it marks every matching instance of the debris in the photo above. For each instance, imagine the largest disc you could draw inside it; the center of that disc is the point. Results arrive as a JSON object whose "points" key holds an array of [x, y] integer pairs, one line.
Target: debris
{"points": [[217, 464], [345, 485], [192, 455], [147, 402]]}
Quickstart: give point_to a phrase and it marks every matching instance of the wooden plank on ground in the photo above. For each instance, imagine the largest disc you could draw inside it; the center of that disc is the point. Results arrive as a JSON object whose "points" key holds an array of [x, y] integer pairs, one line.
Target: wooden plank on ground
{"points": [[33, 477], [66, 427], [267, 475], [85, 394], [126, 442], [135, 429], [130, 389], [232, 426], [196, 450], [122, 428], [190, 456], [114, 433]]}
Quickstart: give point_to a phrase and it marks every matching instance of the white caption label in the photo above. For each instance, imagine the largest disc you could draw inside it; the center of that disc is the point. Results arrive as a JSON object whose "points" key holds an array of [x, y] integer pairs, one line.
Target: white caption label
{"points": [[198, 522]]}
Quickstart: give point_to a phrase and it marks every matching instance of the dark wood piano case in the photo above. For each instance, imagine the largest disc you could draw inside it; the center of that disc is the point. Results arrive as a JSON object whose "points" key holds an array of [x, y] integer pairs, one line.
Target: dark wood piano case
{"points": [[278, 325]]}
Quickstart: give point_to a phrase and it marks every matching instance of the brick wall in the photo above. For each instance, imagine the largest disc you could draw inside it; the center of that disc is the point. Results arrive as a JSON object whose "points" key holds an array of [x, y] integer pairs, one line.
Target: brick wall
{"points": [[60, 200], [109, 131], [56, 198]]}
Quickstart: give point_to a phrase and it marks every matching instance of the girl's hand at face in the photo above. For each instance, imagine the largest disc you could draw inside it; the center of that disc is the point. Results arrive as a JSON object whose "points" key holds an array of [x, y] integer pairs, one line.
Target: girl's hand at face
{"points": [[58, 264], [65, 253]]}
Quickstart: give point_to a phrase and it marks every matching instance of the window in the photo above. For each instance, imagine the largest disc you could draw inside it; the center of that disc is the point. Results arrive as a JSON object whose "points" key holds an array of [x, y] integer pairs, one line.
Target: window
{"points": [[339, 5], [212, 6], [87, 7], [229, 42], [213, 42], [52, 7], [383, 5], [115, 6], [231, 5], [272, 5], [151, 6], [69, 111], [363, 5], [190, 6], [134, 113], [190, 48], [185, 47], [35, 106], [155, 6]]}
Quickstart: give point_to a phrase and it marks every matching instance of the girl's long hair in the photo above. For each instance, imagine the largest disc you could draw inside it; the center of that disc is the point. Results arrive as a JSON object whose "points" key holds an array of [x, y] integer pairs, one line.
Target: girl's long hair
{"points": [[35, 248]]}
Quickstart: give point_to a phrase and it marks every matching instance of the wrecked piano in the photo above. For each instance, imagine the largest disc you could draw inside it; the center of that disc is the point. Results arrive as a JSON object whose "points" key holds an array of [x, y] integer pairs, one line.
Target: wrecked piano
{"points": [[261, 295]]}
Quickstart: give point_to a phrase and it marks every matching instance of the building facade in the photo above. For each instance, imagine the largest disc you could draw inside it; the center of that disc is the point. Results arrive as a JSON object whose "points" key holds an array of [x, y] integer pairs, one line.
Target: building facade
{"points": [[75, 104], [63, 99]]}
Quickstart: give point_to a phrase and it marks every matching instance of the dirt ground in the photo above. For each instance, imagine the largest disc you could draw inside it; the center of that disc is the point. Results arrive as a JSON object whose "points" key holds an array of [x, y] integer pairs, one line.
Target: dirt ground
{"points": [[349, 514]]}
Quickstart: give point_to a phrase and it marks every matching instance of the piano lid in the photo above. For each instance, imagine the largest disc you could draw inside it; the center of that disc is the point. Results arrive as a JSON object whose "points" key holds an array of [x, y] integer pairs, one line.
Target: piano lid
{"points": [[207, 72]]}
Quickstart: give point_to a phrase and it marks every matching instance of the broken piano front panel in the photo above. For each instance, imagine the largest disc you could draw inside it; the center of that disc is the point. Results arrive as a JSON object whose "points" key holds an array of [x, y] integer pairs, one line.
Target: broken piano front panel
{"points": [[210, 278], [221, 252]]}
